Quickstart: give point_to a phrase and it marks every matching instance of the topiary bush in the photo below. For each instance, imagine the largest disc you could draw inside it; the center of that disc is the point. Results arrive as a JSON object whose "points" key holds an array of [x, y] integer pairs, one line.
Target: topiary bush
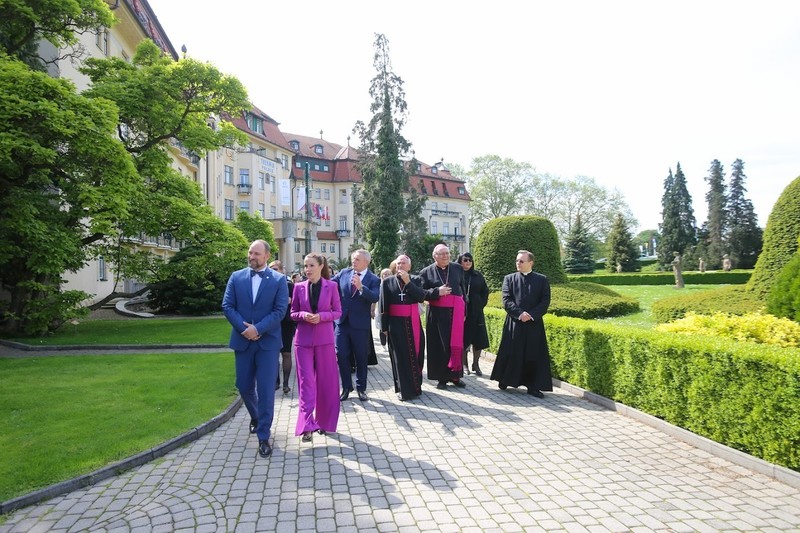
{"points": [[500, 239], [734, 299], [581, 300], [784, 297], [780, 240]]}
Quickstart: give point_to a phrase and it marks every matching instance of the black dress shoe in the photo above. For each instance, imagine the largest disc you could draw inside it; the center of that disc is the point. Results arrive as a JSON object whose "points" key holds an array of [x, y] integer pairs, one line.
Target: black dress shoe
{"points": [[442, 385], [307, 436], [362, 395], [322, 432], [502, 386], [460, 384], [253, 426], [345, 395], [477, 370], [264, 449], [536, 393]]}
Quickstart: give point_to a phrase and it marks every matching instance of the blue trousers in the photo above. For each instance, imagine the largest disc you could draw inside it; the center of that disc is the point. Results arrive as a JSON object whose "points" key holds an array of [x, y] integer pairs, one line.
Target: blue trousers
{"points": [[256, 372], [356, 341]]}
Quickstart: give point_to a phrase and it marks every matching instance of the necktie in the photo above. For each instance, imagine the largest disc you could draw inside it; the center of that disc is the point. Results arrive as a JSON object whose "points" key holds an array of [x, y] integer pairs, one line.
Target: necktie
{"points": [[260, 274]]}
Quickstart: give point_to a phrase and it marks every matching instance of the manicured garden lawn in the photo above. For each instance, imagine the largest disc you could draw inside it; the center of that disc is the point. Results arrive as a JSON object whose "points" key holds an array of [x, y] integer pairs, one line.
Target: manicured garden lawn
{"points": [[647, 296], [63, 416], [214, 330]]}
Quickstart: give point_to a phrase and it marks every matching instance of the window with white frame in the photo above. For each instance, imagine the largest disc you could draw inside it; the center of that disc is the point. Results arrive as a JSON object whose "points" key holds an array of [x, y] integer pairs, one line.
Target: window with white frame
{"points": [[434, 227], [244, 176], [228, 209], [446, 228], [343, 222], [333, 248], [261, 179], [273, 212], [323, 248], [317, 194], [262, 210], [228, 175], [343, 196], [244, 205], [272, 181], [327, 194], [297, 247], [102, 274]]}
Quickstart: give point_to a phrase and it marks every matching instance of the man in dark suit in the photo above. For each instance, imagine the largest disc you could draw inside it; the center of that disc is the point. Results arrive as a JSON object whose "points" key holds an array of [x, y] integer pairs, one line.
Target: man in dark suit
{"points": [[358, 290], [255, 302], [523, 357]]}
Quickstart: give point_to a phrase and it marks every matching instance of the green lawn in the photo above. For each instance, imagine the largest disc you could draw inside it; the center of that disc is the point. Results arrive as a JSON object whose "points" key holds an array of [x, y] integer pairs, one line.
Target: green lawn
{"points": [[66, 416], [647, 296], [214, 330]]}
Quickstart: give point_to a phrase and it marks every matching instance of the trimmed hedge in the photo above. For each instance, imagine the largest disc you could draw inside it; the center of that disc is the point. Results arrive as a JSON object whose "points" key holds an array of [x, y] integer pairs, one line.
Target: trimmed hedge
{"points": [[581, 300], [738, 394], [734, 299], [736, 277]]}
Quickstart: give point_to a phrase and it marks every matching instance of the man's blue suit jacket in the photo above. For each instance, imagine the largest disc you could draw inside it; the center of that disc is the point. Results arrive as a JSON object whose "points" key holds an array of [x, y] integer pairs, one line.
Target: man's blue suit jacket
{"points": [[356, 307], [265, 313]]}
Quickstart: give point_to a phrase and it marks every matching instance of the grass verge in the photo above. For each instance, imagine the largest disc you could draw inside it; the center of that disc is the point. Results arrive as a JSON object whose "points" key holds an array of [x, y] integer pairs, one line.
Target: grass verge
{"points": [[647, 295], [67, 416], [143, 331]]}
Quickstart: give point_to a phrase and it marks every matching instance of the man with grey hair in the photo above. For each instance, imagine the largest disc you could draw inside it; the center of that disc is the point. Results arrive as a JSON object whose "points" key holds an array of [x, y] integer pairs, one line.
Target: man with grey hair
{"points": [[444, 331], [358, 290]]}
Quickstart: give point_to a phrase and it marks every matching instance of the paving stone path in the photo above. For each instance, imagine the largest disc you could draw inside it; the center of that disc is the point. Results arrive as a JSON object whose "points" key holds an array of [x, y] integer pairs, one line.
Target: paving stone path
{"points": [[474, 459]]}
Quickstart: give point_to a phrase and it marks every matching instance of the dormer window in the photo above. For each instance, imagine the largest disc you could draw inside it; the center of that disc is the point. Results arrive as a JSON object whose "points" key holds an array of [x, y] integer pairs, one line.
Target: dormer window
{"points": [[295, 145], [434, 169], [317, 148], [419, 167], [461, 190], [254, 123]]}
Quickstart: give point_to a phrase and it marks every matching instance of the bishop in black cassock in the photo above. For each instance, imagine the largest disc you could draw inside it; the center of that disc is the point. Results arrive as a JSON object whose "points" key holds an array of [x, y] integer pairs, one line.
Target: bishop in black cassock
{"points": [[523, 357]]}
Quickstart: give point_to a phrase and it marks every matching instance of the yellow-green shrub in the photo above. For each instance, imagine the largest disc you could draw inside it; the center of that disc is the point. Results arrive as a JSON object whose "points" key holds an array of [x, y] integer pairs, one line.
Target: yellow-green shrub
{"points": [[752, 327]]}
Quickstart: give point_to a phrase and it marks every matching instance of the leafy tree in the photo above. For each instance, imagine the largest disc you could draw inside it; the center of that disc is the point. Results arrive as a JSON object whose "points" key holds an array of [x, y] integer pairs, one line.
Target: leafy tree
{"points": [[744, 239], [23, 24], [414, 238], [83, 174], [254, 227], [621, 250], [193, 281], [63, 179], [496, 187], [712, 241], [563, 200], [379, 204], [578, 252], [500, 239], [678, 222], [648, 240]]}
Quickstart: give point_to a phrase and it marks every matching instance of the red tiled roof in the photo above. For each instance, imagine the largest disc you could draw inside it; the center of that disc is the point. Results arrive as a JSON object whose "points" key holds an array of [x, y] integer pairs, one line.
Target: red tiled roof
{"points": [[272, 132]]}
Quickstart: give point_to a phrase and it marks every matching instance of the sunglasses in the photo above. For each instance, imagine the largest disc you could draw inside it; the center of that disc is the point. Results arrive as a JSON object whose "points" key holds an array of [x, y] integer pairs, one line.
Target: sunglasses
{"points": [[466, 260]]}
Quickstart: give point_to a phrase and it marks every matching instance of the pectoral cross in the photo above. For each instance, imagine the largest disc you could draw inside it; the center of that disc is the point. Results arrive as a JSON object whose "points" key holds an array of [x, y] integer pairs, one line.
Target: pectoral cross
{"points": [[402, 296]]}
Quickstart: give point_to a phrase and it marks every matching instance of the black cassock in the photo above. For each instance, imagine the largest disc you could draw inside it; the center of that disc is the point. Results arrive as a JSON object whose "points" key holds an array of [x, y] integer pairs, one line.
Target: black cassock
{"points": [[477, 296], [406, 360], [523, 357], [439, 320]]}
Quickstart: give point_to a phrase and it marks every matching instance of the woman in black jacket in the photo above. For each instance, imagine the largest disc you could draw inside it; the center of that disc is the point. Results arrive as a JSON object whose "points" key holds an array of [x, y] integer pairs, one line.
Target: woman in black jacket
{"points": [[476, 293]]}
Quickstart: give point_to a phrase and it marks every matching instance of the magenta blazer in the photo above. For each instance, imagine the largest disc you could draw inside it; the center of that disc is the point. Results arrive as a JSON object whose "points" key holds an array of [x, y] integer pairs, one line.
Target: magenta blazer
{"points": [[329, 308]]}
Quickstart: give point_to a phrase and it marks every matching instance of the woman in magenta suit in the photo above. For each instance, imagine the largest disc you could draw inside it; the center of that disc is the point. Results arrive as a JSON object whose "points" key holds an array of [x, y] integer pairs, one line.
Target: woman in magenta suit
{"points": [[315, 305]]}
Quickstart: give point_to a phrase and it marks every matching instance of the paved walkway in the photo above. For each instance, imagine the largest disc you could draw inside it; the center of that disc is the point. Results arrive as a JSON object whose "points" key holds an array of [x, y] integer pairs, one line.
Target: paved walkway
{"points": [[476, 459]]}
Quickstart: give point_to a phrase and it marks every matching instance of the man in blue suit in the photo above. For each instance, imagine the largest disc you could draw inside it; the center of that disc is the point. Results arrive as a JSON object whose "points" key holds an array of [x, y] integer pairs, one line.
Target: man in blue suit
{"points": [[358, 290], [255, 302]]}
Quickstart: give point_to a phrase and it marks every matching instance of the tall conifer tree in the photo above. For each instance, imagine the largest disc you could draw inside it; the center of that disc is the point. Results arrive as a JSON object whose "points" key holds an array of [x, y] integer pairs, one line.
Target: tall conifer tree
{"points": [[621, 250], [379, 204], [578, 250], [714, 228], [744, 238], [678, 230]]}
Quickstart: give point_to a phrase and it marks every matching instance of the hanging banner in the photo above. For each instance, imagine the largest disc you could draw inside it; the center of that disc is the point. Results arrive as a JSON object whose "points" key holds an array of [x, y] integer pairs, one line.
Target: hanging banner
{"points": [[285, 192]]}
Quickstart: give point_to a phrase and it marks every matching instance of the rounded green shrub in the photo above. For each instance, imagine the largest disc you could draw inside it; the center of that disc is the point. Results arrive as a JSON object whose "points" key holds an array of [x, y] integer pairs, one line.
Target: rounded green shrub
{"points": [[500, 239], [784, 297], [780, 240]]}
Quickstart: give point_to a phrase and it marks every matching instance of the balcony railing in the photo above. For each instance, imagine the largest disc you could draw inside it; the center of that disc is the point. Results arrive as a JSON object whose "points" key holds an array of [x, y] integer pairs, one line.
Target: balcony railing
{"points": [[245, 188], [342, 233], [453, 237], [443, 213]]}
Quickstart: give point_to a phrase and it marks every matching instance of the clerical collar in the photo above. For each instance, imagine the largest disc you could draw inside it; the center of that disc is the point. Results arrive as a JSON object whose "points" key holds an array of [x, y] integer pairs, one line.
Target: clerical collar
{"points": [[526, 273]]}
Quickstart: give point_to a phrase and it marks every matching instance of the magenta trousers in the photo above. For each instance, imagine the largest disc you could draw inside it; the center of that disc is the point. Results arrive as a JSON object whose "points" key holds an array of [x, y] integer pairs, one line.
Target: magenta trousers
{"points": [[318, 386]]}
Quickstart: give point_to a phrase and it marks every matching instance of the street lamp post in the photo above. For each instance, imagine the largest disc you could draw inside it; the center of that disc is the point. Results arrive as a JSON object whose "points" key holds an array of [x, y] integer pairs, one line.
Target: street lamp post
{"points": [[307, 180]]}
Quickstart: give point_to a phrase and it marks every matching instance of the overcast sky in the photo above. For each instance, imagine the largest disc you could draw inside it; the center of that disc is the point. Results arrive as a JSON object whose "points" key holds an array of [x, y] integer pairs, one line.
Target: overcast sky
{"points": [[619, 91]]}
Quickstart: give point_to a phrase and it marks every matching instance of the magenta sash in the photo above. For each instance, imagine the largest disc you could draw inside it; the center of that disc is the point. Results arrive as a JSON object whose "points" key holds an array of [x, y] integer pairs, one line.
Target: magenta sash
{"points": [[413, 312], [456, 330]]}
